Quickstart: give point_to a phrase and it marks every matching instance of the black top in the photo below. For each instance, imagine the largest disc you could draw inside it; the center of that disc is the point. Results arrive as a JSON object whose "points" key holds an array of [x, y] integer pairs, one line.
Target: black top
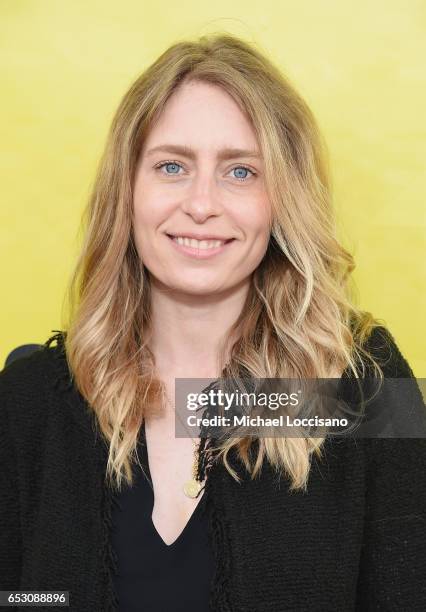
{"points": [[354, 541], [151, 575]]}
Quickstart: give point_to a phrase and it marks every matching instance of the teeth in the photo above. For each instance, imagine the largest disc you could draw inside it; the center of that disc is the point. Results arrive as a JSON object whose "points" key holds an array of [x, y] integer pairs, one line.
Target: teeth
{"points": [[198, 244]]}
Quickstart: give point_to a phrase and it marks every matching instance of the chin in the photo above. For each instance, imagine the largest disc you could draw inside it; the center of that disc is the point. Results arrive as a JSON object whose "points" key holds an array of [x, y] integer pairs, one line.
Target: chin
{"points": [[196, 289]]}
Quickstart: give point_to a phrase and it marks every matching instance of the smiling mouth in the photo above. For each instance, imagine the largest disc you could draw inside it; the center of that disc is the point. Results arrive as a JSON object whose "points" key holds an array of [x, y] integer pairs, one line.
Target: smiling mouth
{"points": [[199, 244]]}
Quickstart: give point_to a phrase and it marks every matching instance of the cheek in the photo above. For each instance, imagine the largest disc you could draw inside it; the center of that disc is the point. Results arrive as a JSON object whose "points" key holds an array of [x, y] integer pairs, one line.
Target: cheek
{"points": [[146, 215], [141, 218], [255, 220], [151, 206], [143, 221]]}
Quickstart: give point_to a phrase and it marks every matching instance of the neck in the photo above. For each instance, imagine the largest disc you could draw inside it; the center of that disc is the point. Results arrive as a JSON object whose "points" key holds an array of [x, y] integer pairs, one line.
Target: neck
{"points": [[188, 331]]}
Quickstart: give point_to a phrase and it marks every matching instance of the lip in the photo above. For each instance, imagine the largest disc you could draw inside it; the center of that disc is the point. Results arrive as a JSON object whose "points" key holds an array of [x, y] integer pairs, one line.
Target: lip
{"points": [[197, 253], [198, 236]]}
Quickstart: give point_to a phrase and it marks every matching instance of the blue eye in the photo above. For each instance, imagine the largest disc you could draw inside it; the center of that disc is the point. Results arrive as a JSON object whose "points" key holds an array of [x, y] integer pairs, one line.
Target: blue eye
{"points": [[242, 177], [173, 165], [172, 168]]}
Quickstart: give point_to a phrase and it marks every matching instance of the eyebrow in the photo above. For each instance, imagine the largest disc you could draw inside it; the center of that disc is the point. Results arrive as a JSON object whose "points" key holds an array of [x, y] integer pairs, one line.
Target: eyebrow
{"points": [[224, 154]]}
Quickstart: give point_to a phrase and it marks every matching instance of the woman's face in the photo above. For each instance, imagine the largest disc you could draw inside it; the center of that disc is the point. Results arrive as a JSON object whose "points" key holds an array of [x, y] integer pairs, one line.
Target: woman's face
{"points": [[201, 211]]}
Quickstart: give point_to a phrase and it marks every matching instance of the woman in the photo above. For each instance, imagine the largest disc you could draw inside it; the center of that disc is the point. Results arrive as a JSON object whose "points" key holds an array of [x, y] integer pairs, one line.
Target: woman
{"points": [[210, 249]]}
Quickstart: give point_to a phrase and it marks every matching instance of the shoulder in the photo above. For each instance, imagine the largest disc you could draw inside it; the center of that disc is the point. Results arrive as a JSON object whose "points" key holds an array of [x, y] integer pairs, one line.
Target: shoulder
{"points": [[402, 392], [40, 366], [400, 453], [398, 386], [44, 419], [26, 382], [383, 347], [394, 427]]}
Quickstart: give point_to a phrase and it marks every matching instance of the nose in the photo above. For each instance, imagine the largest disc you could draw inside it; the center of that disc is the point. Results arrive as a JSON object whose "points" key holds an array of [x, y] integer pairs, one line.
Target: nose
{"points": [[202, 199]]}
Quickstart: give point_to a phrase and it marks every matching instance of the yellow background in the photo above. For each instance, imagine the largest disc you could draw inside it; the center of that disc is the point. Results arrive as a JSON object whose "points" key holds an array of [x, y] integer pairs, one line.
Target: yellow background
{"points": [[65, 66]]}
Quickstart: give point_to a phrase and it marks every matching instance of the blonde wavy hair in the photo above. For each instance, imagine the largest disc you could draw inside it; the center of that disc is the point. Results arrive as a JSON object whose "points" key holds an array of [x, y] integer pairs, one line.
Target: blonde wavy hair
{"points": [[299, 319]]}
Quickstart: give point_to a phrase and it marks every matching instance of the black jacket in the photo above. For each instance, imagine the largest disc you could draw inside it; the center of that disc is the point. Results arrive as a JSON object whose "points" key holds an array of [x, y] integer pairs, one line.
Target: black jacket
{"points": [[355, 541]]}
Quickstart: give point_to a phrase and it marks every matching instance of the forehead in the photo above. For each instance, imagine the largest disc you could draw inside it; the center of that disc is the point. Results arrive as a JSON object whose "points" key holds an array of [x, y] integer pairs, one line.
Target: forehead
{"points": [[202, 116]]}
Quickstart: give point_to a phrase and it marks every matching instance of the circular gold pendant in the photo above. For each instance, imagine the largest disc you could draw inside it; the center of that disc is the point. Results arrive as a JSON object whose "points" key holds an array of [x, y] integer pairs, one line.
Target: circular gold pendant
{"points": [[191, 488]]}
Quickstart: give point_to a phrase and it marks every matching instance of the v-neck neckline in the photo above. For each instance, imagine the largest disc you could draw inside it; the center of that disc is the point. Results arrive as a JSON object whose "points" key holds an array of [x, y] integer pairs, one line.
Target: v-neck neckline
{"points": [[147, 477]]}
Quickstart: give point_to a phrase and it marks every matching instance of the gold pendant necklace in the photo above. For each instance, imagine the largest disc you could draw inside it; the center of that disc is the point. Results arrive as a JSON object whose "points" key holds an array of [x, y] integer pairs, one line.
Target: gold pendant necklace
{"points": [[191, 487]]}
